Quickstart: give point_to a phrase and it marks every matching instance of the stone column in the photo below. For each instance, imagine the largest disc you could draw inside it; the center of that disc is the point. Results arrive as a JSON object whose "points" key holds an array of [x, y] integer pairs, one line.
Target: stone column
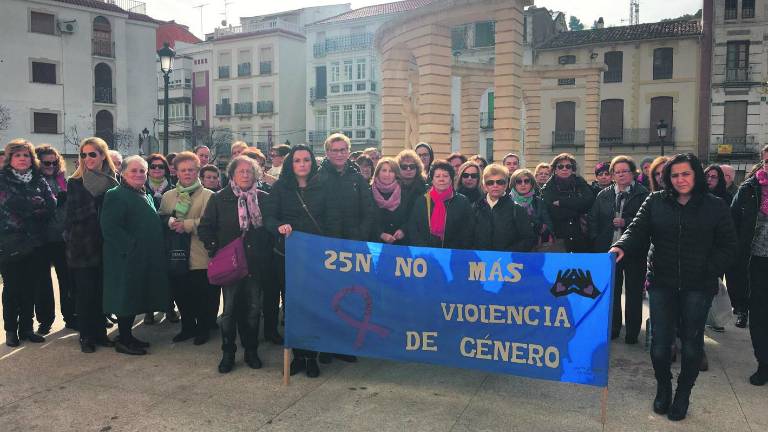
{"points": [[394, 87], [591, 124], [473, 85], [509, 60], [534, 150]]}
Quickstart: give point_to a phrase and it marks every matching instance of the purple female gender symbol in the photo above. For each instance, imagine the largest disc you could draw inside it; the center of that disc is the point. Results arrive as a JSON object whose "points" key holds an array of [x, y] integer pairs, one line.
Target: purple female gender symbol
{"points": [[362, 326]]}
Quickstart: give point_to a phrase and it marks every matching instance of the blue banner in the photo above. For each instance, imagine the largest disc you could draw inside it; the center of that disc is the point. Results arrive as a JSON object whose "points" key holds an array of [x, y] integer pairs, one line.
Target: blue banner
{"points": [[537, 315]]}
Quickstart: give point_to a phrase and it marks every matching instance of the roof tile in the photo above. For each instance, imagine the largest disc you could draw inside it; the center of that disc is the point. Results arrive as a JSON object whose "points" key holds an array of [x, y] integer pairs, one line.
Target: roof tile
{"points": [[658, 30], [377, 10]]}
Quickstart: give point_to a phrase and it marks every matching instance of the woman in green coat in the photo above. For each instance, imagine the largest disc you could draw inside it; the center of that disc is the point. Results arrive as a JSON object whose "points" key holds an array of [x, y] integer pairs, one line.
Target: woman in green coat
{"points": [[135, 276]]}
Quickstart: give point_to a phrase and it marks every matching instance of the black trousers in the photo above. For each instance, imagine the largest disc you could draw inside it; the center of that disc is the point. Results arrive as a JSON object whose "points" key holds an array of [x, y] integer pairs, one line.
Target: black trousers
{"points": [[89, 286], [630, 274], [280, 273], [195, 296], [125, 327], [20, 280], [45, 308], [758, 307], [273, 290], [242, 311], [736, 281]]}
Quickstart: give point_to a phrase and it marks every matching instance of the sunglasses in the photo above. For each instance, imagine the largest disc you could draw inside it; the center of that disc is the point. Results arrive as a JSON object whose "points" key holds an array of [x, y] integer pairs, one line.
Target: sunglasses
{"points": [[50, 163], [469, 175], [92, 155], [408, 167], [502, 182], [157, 166], [564, 166], [523, 181]]}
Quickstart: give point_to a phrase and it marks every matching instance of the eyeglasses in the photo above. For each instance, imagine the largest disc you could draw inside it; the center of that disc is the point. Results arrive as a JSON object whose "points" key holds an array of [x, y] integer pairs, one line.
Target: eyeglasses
{"points": [[502, 182], [50, 163], [157, 166], [408, 167], [469, 175], [621, 172], [92, 155], [564, 166], [523, 181]]}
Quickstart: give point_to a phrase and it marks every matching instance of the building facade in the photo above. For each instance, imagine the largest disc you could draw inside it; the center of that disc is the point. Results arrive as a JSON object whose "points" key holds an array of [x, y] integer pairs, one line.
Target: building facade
{"points": [[74, 69]]}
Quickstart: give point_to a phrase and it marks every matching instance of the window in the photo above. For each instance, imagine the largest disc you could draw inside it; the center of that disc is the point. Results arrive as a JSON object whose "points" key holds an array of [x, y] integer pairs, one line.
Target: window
{"points": [[320, 82], [747, 8], [347, 88], [348, 70], [731, 9], [737, 61], [45, 123], [200, 114], [662, 63], [335, 72], [334, 88], [565, 124], [611, 121], [44, 73], [566, 59], [244, 94], [373, 117], [200, 79], [615, 61], [361, 66], [360, 86], [360, 115], [485, 34], [459, 38], [735, 131], [334, 117], [40, 22], [661, 109], [347, 111]]}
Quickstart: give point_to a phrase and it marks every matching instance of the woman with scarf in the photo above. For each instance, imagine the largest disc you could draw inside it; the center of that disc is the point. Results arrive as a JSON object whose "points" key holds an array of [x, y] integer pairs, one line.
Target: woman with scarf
{"points": [[26, 206], [135, 262], [233, 212], [53, 168], [523, 193], [391, 214], [467, 181], [441, 217], [568, 199], [500, 224], [180, 210], [95, 175], [750, 215], [613, 210]]}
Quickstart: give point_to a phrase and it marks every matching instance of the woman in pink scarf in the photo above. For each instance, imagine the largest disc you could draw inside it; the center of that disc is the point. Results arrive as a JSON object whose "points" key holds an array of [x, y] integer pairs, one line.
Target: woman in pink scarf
{"points": [[387, 194], [441, 218]]}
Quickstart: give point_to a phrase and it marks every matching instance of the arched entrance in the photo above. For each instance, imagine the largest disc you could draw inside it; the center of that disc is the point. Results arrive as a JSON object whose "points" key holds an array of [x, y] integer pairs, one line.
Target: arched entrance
{"points": [[105, 126], [102, 84]]}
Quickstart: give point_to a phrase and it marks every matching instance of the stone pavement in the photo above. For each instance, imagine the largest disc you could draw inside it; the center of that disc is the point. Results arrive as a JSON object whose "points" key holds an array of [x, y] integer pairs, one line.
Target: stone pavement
{"points": [[53, 387]]}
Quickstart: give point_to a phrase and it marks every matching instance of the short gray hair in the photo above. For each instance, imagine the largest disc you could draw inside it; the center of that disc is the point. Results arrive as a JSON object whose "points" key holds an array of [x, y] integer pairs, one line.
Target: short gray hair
{"points": [[251, 162], [131, 159], [116, 154]]}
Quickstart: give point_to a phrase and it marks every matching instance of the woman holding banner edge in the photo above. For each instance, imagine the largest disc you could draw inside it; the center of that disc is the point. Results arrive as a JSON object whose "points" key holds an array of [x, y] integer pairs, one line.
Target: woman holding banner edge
{"points": [[692, 239]]}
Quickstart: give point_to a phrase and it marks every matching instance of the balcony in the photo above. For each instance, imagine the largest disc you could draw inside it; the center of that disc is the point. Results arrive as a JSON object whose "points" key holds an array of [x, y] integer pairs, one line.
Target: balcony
{"points": [[748, 12], [743, 147], [343, 44], [738, 75], [275, 24], [316, 139], [486, 120], [638, 137], [244, 108], [316, 94], [568, 138], [224, 109], [244, 69], [264, 107], [223, 72], [265, 68], [104, 95], [102, 48]]}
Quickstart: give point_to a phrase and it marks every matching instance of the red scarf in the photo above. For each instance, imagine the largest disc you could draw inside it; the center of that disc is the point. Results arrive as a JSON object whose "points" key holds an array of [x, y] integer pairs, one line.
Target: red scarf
{"points": [[437, 220]]}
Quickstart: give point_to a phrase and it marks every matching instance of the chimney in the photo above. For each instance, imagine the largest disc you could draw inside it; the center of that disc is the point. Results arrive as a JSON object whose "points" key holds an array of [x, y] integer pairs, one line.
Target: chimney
{"points": [[600, 23]]}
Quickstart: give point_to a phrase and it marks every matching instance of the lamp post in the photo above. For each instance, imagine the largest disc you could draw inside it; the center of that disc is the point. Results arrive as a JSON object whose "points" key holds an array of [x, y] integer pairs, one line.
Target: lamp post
{"points": [[166, 54], [661, 131]]}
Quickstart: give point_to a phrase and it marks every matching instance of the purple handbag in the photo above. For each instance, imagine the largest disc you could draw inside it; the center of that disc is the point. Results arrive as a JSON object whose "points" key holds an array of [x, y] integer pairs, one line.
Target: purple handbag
{"points": [[229, 265]]}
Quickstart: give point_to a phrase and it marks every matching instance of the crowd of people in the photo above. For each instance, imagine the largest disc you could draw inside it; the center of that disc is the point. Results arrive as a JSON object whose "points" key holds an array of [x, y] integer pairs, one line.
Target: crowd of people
{"points": [[135, 236]]}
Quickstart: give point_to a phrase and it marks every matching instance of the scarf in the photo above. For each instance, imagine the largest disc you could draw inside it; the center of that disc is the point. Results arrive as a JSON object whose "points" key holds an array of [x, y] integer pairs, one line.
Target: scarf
{"points": [[439, 213], [394, 191], [762, 178], [158, 186], [565, 184], [24, 178], [248, 212], [185, 198], [98, 182], [524, 201]]}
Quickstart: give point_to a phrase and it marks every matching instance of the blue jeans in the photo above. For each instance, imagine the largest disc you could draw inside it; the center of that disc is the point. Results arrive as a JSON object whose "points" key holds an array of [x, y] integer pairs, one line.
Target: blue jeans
{"points": [[672, 309]]}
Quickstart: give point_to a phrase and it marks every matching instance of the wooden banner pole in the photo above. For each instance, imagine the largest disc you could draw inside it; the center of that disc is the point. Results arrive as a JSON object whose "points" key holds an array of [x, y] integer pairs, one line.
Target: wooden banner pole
{"points": [[286, 366], [604, 407]]}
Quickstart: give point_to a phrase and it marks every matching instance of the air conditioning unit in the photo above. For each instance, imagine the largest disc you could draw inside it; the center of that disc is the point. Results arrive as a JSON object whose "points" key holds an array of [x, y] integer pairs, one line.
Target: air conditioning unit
{"points": [[67, 26]]}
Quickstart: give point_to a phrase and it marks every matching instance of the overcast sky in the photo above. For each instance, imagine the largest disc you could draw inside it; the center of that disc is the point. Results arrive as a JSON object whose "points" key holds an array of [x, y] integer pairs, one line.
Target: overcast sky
{"points": [[613, 11]]}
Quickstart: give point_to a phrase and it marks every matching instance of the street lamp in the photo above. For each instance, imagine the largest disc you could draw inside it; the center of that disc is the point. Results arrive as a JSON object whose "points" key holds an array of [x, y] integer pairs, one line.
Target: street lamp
{"points": [[143, 138], [166, 54], [661, 131]]}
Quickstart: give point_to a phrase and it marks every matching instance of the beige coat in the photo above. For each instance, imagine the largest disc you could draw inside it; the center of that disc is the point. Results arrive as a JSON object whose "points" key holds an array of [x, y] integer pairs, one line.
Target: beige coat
{"points": [[198, 256]]}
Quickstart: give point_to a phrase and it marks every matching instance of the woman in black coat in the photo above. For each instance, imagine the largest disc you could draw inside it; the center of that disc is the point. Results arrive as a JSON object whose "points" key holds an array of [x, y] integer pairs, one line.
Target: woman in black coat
{"points": [[500, 224], [692, 241], [568, 199], [391, 209], [412, 181], [467, 181], [613, 210], [297, 203], [237, 210], [441, 217], [716, 183]]}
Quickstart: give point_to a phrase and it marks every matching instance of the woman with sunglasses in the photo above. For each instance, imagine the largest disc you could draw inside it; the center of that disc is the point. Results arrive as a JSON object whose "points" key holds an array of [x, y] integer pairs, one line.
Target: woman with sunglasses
{"points": [[94, 176], [500, 224], [26, 206], [523, 193], [568, 199], [467, 181], [441, 217], [613, 210], [412, 182], [391, 214], [693, 241], [53, 168]]}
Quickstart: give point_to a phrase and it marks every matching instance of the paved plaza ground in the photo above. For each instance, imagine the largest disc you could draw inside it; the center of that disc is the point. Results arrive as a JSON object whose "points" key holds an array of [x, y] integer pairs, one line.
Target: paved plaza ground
{"points": [[53, 387]]}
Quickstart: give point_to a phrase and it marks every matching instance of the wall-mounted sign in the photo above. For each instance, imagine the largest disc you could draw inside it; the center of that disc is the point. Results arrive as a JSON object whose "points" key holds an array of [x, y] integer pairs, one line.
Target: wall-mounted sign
{"points": [[566, 81]]}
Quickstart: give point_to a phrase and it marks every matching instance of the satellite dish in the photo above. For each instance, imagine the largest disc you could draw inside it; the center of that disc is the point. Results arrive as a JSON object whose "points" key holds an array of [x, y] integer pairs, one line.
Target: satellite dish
{"points": [[224, 23]]}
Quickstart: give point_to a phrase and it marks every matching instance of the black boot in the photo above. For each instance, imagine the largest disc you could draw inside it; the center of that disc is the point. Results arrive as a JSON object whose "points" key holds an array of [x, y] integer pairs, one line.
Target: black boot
{"points": [[325, 358], [663, 397], [679, 408], [227, 362], [104, 341], [86, 346], [760, 377], [126, 347], [12, 339], [313, 369], [31, 336], [252, 359], [298, 365]]}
